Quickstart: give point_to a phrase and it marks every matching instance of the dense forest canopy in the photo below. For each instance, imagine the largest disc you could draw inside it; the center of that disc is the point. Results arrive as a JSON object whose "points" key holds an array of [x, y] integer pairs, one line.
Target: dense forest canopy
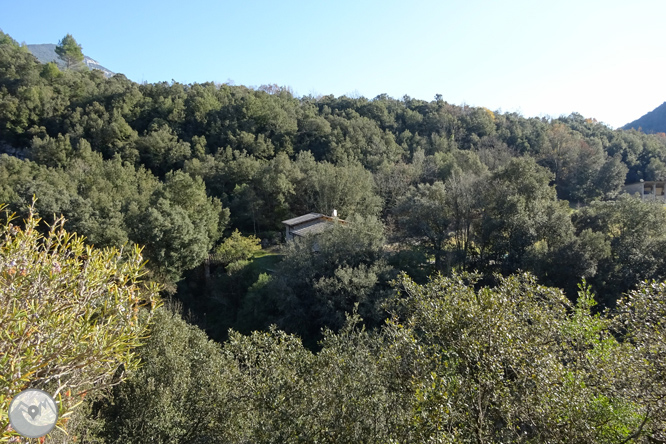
{"points": [[173, 166], [429, 189]]}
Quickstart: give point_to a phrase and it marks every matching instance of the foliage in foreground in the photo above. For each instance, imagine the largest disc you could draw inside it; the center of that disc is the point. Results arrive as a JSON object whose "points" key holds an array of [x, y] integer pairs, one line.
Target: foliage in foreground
{"points": [[71, 315], [513, 363]]}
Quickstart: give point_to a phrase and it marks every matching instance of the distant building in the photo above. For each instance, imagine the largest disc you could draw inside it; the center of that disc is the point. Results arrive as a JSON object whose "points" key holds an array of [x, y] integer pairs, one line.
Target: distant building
{"points": [[311, 223], [648, 190]]}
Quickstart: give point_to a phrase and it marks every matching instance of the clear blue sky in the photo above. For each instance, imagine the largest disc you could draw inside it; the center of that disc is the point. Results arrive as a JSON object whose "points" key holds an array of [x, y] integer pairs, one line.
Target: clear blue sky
{"points": [[603, 59]]}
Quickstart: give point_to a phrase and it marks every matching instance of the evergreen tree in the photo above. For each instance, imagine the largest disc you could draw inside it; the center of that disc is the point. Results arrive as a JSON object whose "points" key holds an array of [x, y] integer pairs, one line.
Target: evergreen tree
{"points": [[69, 51]]}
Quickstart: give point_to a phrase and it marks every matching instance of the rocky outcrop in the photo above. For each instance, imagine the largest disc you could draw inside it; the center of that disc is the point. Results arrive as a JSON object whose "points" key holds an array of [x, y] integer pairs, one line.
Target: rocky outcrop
{"points": [[46, 53]]}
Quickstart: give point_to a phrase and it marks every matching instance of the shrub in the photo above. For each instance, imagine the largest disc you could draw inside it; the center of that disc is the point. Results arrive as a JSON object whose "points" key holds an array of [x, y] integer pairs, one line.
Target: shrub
{"points": [[71, 315]]}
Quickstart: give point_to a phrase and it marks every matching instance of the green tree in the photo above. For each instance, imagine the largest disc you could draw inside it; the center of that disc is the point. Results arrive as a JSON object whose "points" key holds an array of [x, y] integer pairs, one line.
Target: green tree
{"points": [[424, 216], [173, 241], [180, 394], [441, 218], [639, 319], [457, 363], [179, 226], [347, 187], [322, 276], [237, 248], [161, 151], [53, 152], [519, 209], [263, 388], [636, 237], [50, 71], [516, 363], [69, 51]]}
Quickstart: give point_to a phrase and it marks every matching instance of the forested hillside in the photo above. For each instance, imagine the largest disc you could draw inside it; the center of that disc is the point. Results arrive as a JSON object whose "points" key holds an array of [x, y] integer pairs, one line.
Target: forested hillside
{"points": [[427, 188]]}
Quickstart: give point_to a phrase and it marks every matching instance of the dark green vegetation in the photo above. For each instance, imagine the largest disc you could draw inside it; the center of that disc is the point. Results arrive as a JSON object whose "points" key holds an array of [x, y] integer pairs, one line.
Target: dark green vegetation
{"points": [[426, 188], [515, 363], [652, 122]]}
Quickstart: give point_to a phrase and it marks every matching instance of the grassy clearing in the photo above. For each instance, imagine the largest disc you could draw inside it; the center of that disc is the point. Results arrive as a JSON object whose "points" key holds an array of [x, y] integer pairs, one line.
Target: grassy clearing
{"points": [[265, 260]]}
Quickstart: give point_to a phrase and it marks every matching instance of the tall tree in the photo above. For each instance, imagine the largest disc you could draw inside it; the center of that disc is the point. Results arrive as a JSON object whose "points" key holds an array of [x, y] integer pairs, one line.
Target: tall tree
{"points": [[69, 51], [424, 216]]}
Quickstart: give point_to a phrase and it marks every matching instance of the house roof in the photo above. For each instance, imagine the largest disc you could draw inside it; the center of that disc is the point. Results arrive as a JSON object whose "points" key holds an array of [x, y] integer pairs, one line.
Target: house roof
{"points": [[302, 219], [317, 228]]}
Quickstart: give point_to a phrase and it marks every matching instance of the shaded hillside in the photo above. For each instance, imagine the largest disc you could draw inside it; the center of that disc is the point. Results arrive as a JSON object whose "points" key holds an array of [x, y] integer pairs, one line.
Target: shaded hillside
{"points": [[46, 53], [652, 122]]}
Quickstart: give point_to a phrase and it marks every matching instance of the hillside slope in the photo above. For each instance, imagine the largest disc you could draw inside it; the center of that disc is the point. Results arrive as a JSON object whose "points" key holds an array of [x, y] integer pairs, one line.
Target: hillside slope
{"points": [[46, 53], [652, 122]]}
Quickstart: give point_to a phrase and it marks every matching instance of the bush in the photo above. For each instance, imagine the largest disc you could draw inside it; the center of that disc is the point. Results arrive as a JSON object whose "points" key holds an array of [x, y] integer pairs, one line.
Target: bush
{"points": [[71, 315], [177, 396]]}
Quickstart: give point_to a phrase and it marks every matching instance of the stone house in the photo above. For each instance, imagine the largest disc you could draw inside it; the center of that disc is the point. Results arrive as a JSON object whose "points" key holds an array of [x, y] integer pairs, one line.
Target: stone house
{"points": [[648, 190], [311, 223]]}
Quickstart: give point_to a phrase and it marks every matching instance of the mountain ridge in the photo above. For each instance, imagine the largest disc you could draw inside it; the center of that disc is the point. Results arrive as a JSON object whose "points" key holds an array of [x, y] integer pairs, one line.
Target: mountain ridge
{"points": [[652, 122], [45, 53]]}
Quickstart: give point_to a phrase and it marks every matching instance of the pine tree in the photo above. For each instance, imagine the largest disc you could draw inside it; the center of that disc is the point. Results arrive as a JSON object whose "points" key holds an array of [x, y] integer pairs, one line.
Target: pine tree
{"points": [[69, 51]]}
